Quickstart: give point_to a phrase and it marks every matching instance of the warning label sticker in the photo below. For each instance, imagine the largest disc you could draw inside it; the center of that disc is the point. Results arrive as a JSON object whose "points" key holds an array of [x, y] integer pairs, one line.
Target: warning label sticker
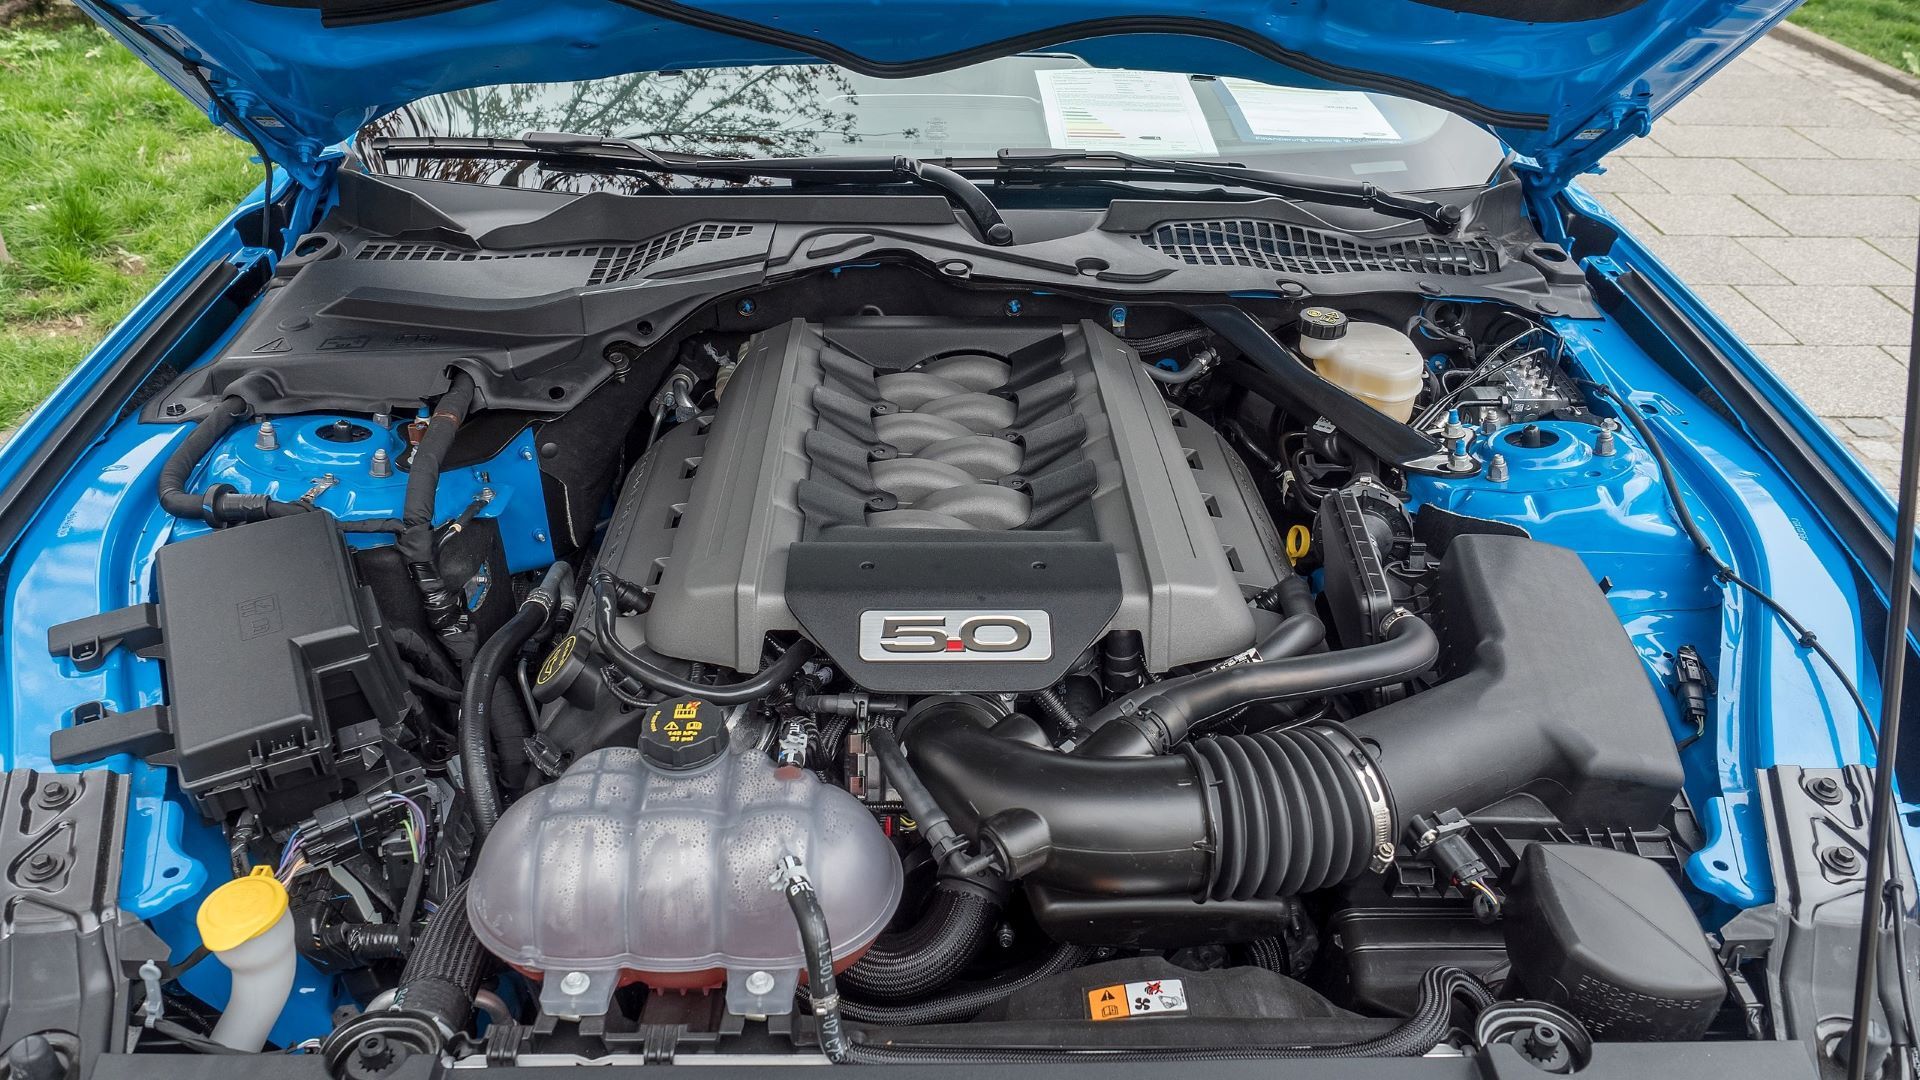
{"points": [[1125, 1001]]}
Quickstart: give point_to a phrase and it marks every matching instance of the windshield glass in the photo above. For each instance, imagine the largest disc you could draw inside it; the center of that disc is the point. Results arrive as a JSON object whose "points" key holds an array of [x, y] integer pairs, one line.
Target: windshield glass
{"points": [[1029, 101]]}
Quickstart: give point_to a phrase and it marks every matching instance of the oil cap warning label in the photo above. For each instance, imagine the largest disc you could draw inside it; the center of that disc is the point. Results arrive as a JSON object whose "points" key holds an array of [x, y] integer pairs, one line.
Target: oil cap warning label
{"points": [[1125, 1001]]}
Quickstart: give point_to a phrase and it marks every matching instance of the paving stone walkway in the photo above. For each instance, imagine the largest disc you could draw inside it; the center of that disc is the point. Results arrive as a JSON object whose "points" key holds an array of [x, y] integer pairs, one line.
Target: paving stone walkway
{"points": [[1786, 191]]}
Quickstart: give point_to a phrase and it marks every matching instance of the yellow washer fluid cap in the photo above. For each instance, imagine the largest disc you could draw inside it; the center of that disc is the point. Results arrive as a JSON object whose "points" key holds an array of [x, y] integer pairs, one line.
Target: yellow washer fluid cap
{"points": [[241, 910]]}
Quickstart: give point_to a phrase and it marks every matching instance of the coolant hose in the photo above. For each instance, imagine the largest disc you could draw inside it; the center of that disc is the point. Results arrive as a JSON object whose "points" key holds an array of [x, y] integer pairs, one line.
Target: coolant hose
{"points": [[1157, 718], [482, 723], [1234, 817], [1431, 1021], [817, 946], [926, 956]]}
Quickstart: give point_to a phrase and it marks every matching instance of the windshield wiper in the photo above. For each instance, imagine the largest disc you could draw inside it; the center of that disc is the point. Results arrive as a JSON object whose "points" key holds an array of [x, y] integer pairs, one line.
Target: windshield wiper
{"points": [[1017, 163], [628, 155]]}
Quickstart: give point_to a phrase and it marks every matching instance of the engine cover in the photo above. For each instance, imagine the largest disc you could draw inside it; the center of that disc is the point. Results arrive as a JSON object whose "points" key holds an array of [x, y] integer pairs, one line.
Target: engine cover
{"points": [[942, 504]]}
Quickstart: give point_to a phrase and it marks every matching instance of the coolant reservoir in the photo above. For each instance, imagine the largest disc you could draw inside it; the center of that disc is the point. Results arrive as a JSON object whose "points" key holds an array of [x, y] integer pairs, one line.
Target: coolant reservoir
{"points": [[1377, 364], [652, 865]]}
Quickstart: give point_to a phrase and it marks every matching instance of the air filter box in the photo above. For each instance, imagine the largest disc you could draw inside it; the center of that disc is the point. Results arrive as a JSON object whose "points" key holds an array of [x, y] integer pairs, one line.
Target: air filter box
{"points": [[1607, 935]]}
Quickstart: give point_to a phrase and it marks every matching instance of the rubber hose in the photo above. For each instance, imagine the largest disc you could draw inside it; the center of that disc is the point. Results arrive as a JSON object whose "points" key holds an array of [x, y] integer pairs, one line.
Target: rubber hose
{"points": [[643, 671], [1431, 1021], [817, 946], [962, 1004], [925, 957], [477, 712], [443, 972], [1156, 719], [1238, 816], [415, 540], [1295, 635], [1192, 371], [221, 504]]}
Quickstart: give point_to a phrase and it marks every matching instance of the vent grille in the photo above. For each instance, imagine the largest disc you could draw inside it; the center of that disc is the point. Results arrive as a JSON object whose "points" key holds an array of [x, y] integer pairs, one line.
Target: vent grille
{"points": [[1293, 249], [612, 262], [636, 259]]}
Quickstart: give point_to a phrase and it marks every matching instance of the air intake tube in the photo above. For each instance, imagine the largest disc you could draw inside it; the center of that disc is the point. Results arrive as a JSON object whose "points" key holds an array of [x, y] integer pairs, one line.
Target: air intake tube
{"points": [[1236, 817]]}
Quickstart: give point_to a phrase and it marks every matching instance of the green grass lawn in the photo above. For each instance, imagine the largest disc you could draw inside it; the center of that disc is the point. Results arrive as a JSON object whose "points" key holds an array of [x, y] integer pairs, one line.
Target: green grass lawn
{"points": [[107, 178], [1887, 30]]}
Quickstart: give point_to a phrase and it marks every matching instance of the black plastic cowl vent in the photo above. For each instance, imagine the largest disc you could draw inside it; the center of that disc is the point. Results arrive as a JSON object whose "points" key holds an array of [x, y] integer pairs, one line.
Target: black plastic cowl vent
{"points": [[612, 262], [1296, 249]]}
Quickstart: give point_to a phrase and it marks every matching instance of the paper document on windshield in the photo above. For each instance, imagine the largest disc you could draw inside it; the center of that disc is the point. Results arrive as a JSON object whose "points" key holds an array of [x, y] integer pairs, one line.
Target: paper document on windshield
{"points": [[1135, 112], [1285, 112]]}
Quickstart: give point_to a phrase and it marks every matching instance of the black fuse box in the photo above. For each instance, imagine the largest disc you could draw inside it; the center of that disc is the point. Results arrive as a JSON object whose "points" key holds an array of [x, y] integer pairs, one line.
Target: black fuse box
{"points": [[279, 674]]}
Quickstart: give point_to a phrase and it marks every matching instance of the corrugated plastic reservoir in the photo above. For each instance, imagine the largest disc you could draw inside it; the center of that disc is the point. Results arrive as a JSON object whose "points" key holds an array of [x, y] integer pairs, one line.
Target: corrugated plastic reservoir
{"points": [[622, 870]]}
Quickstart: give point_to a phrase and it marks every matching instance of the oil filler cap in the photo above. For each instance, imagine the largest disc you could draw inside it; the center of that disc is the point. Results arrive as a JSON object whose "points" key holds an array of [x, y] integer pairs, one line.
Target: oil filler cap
{"points": [[683, 733]]}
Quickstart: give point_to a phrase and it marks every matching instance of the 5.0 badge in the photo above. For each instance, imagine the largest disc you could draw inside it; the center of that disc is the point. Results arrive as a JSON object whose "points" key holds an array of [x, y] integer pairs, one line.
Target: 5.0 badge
{"points": [[938, 636]]}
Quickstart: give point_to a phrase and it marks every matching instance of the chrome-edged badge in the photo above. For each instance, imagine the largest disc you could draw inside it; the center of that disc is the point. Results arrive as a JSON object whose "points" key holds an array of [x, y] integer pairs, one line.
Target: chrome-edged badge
{"points": [[939, 636]]}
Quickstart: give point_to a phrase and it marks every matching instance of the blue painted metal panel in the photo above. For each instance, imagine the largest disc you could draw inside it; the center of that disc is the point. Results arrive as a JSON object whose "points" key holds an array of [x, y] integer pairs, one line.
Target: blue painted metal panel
{"points": [[305, 459]]}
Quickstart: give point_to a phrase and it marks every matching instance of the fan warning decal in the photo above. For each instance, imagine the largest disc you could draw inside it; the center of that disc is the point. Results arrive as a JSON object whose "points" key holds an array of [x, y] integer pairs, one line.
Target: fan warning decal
{"points": [[1127, 1001]]}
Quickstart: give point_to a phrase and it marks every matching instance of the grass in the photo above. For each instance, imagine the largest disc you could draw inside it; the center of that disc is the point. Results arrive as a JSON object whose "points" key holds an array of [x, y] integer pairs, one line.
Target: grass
{"points": [[1887, 30], [108, 177]]}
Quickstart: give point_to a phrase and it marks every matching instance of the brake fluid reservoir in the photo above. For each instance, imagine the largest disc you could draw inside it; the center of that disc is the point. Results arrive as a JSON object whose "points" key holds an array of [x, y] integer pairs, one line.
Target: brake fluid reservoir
{"points": [[653, 865], [1377, 364]]}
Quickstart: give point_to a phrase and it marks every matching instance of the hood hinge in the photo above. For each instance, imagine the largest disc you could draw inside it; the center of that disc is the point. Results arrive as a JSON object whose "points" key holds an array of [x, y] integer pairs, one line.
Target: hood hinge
{"points": [[1543, 177]]}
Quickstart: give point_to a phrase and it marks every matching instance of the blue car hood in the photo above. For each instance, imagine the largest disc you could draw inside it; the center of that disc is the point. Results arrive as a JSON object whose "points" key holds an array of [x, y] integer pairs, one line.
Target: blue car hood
{"points": [[1560, 81]]}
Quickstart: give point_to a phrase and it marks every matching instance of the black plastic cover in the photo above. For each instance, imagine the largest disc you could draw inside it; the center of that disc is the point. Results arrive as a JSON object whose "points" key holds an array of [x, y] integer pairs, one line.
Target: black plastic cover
{"points": [[62, 941], [278, 669], [1544, 699], [1609, 937]]}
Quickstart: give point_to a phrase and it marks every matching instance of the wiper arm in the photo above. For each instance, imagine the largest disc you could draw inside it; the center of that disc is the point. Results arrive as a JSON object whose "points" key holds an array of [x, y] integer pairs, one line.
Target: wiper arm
{"points": [[1441, 217], [962, 192]]}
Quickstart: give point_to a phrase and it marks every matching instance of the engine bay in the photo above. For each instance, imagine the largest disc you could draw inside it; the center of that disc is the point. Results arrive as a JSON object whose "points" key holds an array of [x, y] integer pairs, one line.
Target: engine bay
{"points": [[771, 638]]}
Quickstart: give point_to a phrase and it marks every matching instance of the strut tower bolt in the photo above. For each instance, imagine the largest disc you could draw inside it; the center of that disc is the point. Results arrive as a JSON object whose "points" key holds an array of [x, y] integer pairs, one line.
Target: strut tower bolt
{"points": [[266, 439], [382, 465], [1455, 435], [1497, 469], [1603, 443]]}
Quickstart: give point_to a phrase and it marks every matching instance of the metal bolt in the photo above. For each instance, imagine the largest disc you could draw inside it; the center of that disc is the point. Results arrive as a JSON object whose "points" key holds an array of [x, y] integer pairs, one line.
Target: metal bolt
{"points": [[1840, 860], [759, 983], [266, 439], [575, 983], [526, 453], [1824, 789], [55, 794], [42, 867], [1383, 853], [382, 465], [1497, 469], [539, 538], [1603, 443], [486, 495]]}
